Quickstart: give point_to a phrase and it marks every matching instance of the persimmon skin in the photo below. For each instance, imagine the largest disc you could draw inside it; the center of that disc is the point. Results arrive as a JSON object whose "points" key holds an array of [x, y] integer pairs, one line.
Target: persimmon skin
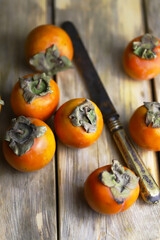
{"points": [[99, 196], [38, 156], [73, 136], [138, 68], [42, 107], [143, 136], [43, 37]]}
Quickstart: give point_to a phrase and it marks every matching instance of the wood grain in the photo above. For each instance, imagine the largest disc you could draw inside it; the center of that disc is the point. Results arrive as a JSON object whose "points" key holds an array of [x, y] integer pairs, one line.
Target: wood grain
{"points": [[28, 200], [105, 27], [152, 21]]}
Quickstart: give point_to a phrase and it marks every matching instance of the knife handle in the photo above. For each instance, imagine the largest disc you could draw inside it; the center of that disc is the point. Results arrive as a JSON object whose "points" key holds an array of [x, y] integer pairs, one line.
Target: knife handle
{"points": [[150, 192]]}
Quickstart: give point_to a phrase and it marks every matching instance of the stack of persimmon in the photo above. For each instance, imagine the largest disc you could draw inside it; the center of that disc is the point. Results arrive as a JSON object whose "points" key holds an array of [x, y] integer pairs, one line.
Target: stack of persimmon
{"points": [[29, 142]]}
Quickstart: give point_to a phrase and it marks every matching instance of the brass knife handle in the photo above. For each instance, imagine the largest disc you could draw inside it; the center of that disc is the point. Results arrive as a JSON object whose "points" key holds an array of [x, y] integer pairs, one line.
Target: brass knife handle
{"points": [[150, 191]]}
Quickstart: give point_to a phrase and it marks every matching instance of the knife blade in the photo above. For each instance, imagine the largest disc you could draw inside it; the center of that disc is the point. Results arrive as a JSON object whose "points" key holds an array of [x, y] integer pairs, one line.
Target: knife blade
{"points": [[149, 189]]}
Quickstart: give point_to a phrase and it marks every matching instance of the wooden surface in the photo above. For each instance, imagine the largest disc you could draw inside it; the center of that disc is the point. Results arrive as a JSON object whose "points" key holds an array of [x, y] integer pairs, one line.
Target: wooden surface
{"points": [[28, 200], [49, 203]]}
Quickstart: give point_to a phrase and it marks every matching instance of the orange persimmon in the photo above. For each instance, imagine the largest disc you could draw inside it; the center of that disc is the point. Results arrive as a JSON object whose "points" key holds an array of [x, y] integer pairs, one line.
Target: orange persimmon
{"points": [[144, 126], [35, 95], [29, 144], [78, 123], [46, 47], [111, 192], [141, 58]]}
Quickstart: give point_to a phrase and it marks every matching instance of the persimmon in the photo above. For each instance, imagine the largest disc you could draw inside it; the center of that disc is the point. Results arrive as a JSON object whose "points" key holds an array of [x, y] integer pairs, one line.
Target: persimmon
{"points": [[78, 123], [49, 49], [144, 126], [111, 189], [141, 58], [35, 95], [29, 144]]}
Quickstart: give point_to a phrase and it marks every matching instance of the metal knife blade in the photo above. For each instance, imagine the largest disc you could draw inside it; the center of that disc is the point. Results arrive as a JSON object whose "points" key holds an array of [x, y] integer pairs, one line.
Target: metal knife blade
{"points": [[150, 191], [89, 73]]}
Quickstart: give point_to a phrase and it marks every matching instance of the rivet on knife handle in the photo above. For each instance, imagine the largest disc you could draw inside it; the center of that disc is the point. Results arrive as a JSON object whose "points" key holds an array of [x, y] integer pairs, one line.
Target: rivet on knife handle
{"points": [[149, 189]]}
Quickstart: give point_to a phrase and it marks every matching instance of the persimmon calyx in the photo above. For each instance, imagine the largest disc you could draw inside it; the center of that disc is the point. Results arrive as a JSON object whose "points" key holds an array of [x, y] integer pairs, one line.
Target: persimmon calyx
{"points": [[35, 86], [50, 61], [120, 181], [22, 133], [144, 47], [153, 114], [84, 115]]}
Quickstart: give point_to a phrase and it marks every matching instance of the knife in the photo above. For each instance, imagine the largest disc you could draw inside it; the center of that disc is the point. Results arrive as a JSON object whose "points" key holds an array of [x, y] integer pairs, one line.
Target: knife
{"points": [[150, 191]]}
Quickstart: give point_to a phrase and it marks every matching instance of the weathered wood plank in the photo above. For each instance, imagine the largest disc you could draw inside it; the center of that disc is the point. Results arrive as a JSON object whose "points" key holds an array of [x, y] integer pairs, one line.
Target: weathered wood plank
{"points": [[28, 200], [153, 19], [105, 27]]}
